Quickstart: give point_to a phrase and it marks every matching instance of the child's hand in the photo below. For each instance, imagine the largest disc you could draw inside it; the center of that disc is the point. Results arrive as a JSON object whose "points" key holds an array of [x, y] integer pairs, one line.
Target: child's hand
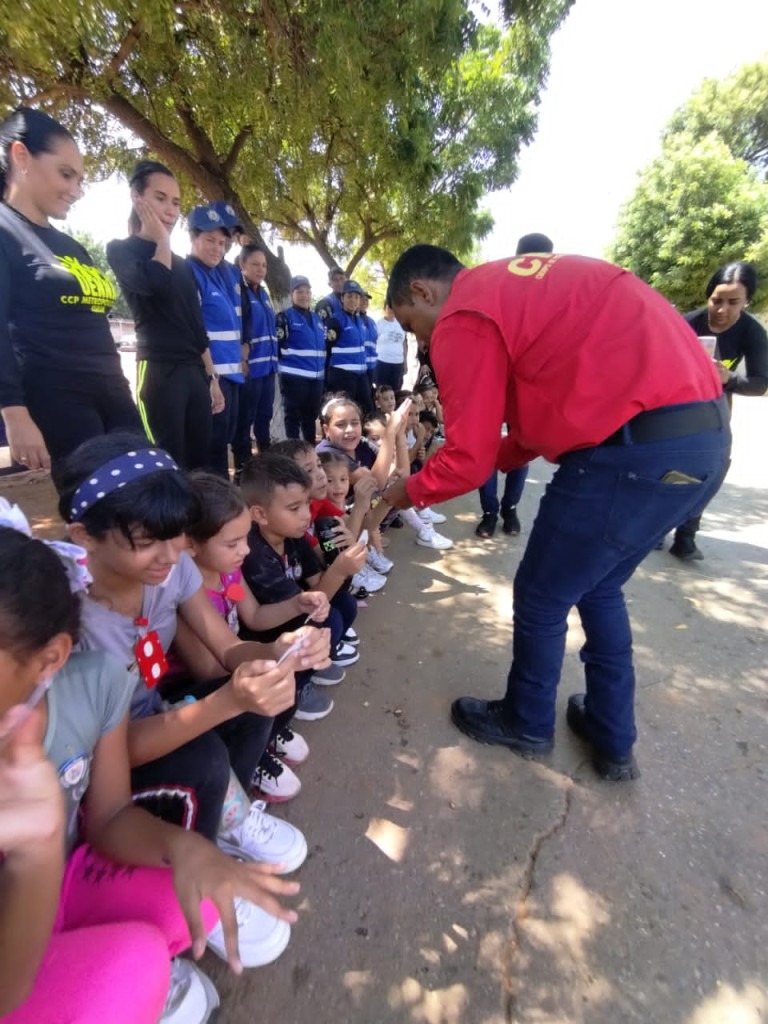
{"points": [[398, 418], [364, 490], [342, 537], [314, 604], [352, 560], [31, 801], [315, 647], [201, 871], [421, 453], [264, 687]]}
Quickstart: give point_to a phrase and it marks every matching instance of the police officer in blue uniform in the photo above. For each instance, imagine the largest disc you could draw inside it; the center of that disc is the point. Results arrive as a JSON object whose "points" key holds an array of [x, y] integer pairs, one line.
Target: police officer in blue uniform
{"points": [[301, 361], [347, 358], [218, 285]]}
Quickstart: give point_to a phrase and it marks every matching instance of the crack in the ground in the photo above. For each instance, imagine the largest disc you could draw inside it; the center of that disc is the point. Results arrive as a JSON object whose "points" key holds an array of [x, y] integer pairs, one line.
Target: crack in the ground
{"points": [[568, 785]]}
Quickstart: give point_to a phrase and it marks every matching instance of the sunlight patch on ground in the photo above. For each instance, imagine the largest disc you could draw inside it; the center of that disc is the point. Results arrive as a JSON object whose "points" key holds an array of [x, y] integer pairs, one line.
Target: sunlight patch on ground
{"points": [[390, 838], [441, 1006], [727, 1006]]}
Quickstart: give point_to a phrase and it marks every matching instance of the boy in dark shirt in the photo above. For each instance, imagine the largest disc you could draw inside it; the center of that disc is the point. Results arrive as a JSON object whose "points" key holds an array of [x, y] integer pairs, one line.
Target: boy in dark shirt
{"points": [[281, 562]]}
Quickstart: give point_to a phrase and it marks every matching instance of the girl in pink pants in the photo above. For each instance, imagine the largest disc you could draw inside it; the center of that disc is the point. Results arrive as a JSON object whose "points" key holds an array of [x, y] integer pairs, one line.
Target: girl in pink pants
{"points": [[97, 896]]}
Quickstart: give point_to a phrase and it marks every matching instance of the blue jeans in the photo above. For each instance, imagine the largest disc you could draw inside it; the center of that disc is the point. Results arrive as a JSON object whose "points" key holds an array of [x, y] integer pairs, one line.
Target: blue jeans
{"points": [[513, 492], [302, 400], [603, 512]]}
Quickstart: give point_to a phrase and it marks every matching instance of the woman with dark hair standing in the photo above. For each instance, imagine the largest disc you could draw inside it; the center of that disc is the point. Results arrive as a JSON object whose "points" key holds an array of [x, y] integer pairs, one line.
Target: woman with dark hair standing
{"points": [[176, 384], [262, 359], [61, 382], [739, 337]]}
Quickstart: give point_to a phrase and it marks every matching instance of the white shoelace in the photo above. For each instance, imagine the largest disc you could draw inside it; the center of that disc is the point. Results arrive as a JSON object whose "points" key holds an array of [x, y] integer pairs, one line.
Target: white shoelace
{"points": [[258, 826]]}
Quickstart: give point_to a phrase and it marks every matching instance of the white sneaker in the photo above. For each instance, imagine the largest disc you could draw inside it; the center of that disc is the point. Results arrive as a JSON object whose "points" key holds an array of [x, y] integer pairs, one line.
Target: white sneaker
{"points": [[378, 562], [262, 838], [274, 780], [430, 538], [192, 996], [351, 638], [289, 746], [368, 578], [261, 938], [344, 655], [429, 515]]}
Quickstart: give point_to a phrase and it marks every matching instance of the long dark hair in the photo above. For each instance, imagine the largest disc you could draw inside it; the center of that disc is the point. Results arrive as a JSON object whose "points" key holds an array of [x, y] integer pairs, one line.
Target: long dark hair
{"points": [[38, 132], [139, 180]]}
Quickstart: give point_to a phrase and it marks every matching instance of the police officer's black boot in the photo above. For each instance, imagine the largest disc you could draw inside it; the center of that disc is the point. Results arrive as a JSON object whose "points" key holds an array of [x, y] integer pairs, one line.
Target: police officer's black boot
{"points": [[684, 544]]}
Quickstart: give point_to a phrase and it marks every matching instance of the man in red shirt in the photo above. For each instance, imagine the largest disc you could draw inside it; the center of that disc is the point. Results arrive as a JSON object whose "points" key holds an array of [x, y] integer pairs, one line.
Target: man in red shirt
{"points": [[595, 371]]}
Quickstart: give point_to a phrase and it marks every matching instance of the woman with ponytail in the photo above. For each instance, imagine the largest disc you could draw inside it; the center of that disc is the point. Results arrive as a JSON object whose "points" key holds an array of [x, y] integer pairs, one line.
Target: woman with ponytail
{"points": [[61, 382], [177, 388]]}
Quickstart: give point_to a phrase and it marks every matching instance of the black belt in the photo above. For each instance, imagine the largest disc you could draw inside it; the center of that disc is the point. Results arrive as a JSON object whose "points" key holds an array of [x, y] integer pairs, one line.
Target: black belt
{"points": [[671, 421]]}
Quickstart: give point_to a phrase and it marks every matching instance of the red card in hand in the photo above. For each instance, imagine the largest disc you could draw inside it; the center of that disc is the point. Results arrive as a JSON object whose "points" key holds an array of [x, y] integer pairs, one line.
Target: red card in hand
{"points": [[150, 658]]}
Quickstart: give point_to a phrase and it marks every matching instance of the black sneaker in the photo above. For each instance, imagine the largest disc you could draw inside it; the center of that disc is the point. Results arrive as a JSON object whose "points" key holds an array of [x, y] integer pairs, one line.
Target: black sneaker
{"points": [[483, 721], [510, 524], [612, 770], [487, 526], [397, 523]]}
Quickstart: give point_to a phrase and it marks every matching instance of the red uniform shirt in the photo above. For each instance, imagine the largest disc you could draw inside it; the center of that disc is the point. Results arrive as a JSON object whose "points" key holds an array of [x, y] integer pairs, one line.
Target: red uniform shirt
{"points": [[564, 350]]}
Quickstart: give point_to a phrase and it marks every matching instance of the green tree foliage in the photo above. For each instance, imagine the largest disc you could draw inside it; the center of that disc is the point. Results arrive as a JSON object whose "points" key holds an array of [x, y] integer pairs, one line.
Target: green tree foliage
{"points": [[353, 127], [98, 254], [704, 200], [736, 108]]}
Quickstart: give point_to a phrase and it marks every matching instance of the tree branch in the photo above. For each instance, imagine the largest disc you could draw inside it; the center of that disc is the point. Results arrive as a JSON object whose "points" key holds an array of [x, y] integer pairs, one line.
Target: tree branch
{"points": [[231, 158], [125, 49]]}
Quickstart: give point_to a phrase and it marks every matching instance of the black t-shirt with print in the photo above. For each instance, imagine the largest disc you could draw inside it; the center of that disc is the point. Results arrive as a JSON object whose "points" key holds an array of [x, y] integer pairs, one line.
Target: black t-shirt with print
{"points": [[746, 340], [53, 305], [273, 578]]}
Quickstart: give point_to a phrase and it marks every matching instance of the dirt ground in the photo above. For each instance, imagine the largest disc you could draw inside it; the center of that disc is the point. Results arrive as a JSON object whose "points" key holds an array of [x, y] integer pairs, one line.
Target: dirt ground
{"points": [[453, 883]]}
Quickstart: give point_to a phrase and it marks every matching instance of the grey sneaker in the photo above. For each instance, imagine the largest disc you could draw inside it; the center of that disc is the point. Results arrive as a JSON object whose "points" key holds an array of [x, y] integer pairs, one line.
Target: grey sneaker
{"points": [[328, 676], [313, 704]]}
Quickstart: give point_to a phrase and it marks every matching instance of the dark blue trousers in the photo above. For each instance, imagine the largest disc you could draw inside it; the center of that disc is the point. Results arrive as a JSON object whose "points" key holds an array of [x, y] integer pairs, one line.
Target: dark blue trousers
{"points": [[513, 492], [302, 399], [603, 512]]}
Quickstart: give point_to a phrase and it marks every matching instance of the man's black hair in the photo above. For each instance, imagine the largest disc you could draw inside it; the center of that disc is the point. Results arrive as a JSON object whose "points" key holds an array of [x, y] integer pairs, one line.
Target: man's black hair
{"points": [[263, 474], [429, 262], [534, 243]]}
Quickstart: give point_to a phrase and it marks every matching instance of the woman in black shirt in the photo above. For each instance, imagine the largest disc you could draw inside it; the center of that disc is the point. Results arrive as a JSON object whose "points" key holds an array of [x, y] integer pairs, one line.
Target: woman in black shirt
{"points": [[61, 382], [740, 338], [177, 388]]}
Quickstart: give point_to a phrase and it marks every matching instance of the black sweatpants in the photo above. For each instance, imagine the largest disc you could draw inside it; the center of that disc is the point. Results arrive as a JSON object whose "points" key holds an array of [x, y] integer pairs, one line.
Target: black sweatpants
{"points": [[72, 408], [188, 786], [175, 403]]}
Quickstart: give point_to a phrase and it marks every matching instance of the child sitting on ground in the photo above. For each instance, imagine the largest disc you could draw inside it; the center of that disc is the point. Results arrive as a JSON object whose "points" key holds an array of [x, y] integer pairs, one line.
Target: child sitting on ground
{"points": [[385, 400], [129, 506], [281, 562], [432, 441], [421, 521], [218, 542], [428, 391], [99, 897]]}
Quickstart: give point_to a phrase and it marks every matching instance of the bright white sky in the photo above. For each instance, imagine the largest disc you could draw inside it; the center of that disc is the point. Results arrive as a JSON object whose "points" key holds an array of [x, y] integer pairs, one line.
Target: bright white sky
{"points": [[619, 70]]}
